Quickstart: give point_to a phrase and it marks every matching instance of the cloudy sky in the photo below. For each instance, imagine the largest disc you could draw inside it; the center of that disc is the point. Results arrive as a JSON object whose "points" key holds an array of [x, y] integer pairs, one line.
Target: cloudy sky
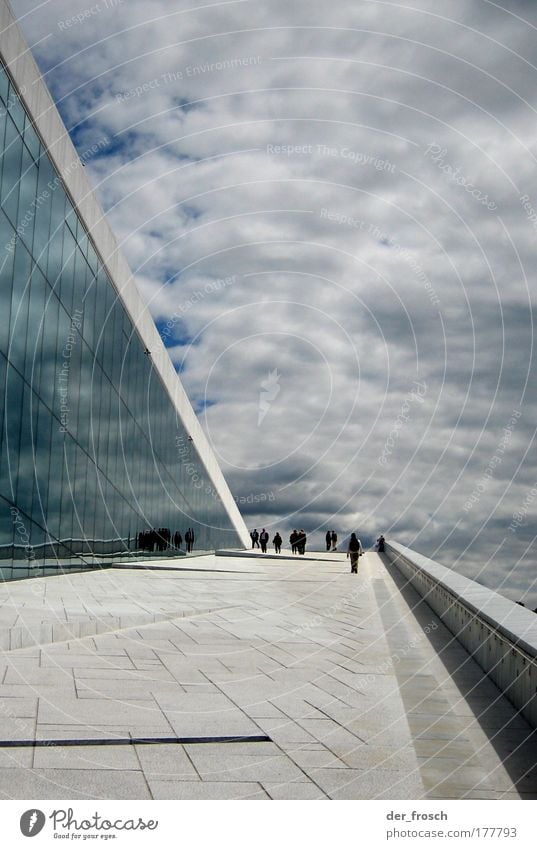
{"points": [[331, 211]]}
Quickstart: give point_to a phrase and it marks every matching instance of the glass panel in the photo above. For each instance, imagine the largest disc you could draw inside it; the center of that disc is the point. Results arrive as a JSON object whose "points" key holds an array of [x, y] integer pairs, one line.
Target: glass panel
{"points": [[14, 394], [41, 464], [15, 109], [61, 370], [82, 239], [84, 396], [8, 519], [31, 140], [83, 275], [69, 281], [6, 280], [67, 517], [19, 306], [3, 122], [43, 211], [4, 85], [49, 344], [92, 259], [25, 472], [36, 307], [79, 496], [3, 367], [27, 190], [55, 251], [55, 481], [11, 171], [70, 217]]}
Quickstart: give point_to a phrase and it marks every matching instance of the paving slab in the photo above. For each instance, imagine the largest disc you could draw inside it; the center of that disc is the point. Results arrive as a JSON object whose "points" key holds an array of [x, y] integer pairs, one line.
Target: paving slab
{"points": [[72, 784], [166, 762], [245, 767], [86, 757], [369, 784], [207, 790], [16, 728], [10, 758], [379, 757], [323, 757], [294, 790], [13, 704], [139, 689], [101, 712], [37, 675]]}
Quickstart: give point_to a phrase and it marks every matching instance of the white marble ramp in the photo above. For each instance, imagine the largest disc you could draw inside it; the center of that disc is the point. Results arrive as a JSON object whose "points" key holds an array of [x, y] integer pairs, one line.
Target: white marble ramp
{"points": [[249, 678]]}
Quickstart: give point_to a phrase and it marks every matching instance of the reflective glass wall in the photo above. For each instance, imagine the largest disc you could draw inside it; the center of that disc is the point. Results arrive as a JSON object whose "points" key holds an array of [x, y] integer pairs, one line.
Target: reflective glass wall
{"points": [[94, 461]]}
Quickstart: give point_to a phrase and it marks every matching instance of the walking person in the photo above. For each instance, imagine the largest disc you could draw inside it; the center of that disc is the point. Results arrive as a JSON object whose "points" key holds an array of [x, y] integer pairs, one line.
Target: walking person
{"points": [[277, 542], [354, 551], [328, 540], [333, 540], [189, 539], [301, 541], [255, 538], [380, 544], [263, 539], [293, 541]]}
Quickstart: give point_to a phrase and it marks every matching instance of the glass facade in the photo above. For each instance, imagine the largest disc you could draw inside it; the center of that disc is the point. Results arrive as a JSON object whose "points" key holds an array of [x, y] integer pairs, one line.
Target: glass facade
{"points": [[94, 460]]}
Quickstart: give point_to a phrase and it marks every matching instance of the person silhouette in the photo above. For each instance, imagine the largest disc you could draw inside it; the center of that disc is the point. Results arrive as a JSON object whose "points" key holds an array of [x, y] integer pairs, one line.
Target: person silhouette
{"points": [[354, 551], [293, 541], [189, 539], [263, 539]]}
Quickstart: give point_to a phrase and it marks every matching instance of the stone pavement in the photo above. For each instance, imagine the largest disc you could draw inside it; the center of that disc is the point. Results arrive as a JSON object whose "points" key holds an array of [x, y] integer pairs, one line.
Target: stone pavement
{"points": [[243, 678]]}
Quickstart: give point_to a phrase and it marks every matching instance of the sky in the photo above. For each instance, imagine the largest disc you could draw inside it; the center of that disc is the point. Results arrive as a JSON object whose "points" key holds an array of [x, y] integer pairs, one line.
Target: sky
{"points": [[331, 213]]}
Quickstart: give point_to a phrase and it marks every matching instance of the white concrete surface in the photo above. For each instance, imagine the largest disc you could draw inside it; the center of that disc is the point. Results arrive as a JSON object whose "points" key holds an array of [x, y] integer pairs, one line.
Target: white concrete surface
{"points": [[359, 688]]}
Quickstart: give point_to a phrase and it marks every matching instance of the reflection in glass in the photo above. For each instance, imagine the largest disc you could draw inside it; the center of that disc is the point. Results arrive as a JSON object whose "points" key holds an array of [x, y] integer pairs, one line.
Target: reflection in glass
{"points": [[94, 460]]}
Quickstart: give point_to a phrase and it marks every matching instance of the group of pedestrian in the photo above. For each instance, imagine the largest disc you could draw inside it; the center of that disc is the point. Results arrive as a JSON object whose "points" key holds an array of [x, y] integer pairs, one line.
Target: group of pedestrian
{"points": [[155, 539], [331, 541], [298, 540], [161, 539], [261, 540]]}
